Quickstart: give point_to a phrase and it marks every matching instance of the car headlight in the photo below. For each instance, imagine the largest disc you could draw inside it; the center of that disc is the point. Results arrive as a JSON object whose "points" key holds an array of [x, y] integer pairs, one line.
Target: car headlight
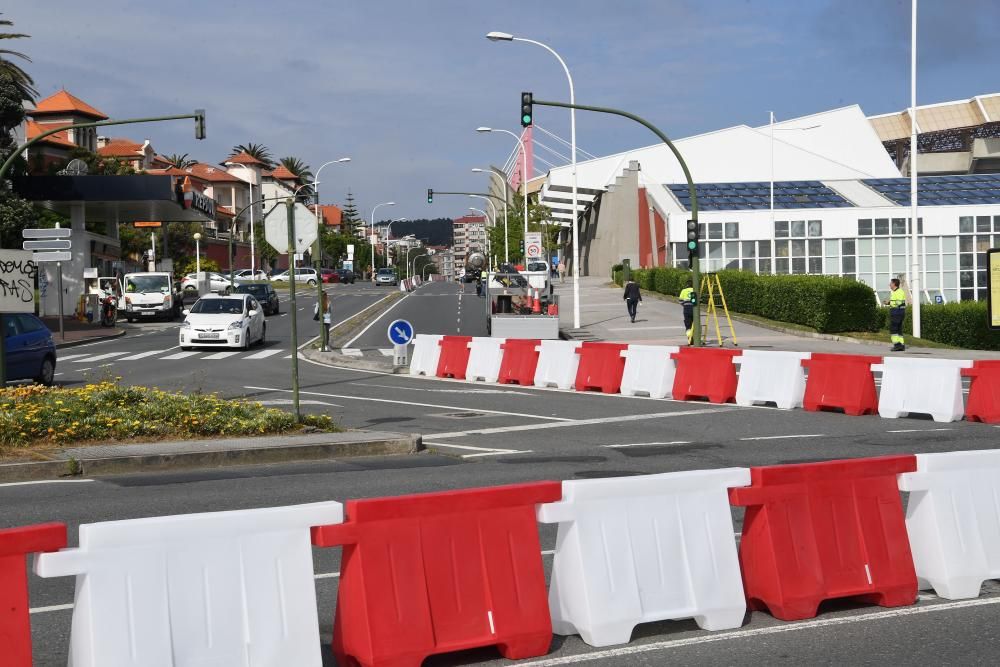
{"points": [[185, 325], [238, 324]]}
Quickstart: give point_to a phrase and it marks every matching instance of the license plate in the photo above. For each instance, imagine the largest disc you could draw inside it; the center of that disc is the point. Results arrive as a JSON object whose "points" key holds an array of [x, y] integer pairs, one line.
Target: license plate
{"points": [[147, 312], [209, 335]]}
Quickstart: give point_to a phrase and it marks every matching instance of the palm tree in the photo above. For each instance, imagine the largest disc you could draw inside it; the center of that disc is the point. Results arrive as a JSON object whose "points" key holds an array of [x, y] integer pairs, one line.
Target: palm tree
{"points": [[179, 161], [22, 80], [258, 151], [297, 167]]}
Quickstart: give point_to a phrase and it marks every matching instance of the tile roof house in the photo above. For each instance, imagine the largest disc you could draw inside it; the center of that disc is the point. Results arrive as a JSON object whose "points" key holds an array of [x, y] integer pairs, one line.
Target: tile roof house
{"points": [[331, 215], [138, 156], [59, 110]]}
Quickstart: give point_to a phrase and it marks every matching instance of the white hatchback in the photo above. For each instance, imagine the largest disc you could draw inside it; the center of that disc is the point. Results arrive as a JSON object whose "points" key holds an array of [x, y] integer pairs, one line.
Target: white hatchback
{"points": [[223, 321]]}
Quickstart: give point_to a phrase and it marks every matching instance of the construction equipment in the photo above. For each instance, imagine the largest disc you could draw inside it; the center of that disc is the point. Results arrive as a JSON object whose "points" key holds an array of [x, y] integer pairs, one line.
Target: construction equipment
{"points": [[711, 287]]}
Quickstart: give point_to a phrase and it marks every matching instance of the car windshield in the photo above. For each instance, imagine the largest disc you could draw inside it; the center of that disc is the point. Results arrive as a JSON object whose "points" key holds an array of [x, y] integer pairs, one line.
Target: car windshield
{"points": [[537, 266], [218, 307], [386, 272], [256, 290], [141, 283]]}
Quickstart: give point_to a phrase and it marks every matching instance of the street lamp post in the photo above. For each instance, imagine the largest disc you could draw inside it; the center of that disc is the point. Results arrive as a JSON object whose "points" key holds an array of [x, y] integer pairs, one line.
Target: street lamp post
{"points": [[524, 169], [492, 208], [197, 252], [506, 37], [503, 184], [324, 332], [412, 263], [385, 203], [388, 233]]}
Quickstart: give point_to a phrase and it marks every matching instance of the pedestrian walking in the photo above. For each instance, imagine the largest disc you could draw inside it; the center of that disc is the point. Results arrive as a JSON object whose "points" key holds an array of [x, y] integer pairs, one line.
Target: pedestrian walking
{"points": [[562, 272], [326, 309], [688, 299], [632, 298], [897, 313]]}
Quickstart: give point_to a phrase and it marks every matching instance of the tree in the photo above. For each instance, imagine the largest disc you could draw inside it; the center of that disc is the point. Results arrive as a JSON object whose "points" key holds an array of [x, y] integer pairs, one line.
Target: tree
{"points": [[20, 79], [179, 161], [538, 216], [297, 167], [258, 151], [350, 219]]}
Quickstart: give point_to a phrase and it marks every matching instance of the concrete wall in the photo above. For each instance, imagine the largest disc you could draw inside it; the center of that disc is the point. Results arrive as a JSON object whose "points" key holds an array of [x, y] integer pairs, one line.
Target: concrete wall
{"points": [[610, 230]]}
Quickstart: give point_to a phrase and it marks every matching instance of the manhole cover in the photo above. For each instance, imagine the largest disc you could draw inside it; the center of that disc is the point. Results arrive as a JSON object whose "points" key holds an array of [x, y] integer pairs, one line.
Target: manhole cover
{"points": [[459, 415]]}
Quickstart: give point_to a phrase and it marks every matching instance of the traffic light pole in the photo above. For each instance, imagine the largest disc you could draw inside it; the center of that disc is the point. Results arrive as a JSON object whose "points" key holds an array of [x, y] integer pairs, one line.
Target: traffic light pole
{"points": [[290, 206], [695, 269]]}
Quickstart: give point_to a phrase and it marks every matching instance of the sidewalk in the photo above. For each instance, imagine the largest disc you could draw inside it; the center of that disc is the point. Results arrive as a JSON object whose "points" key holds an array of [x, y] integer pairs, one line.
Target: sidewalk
{"points": [[78, 333], [660, 321]]}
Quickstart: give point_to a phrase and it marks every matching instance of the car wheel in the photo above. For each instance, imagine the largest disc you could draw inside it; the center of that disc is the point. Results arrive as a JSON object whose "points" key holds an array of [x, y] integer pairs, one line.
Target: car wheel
{"points": [[227, 291], [263, 334], [311, 282], [246, 339], [47, 373], [189, 288]]}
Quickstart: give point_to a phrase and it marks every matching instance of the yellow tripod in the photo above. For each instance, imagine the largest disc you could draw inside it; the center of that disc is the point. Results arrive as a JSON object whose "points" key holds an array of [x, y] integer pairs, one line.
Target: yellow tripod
{"points": [[712, 287]]}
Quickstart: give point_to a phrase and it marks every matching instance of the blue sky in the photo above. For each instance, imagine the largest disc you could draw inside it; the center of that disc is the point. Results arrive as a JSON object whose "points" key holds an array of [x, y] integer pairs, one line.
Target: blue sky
{"points": [[400, 86]]}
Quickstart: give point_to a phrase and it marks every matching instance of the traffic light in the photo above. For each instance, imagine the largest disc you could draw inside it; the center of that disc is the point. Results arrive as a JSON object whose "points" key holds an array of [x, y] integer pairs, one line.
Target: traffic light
{"points": [[430, 196], [522, 247], [199, 123], [692, 240], [527, 102]]}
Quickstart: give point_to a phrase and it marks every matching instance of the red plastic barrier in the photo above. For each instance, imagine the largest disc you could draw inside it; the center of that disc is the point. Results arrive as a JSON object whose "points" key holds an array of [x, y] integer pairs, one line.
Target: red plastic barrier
{"points": [[601, 367], [15, 626], [817, 531], [440, 572], [519, 361], [842, 381], [454, 357], [705, 372], [983, 404]]}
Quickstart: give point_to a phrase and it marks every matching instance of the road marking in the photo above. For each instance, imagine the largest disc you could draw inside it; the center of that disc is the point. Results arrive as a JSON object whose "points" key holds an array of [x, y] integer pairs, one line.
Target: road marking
{"points": [[483, 390], [483, 451], [141, 355], [564, 423], [648, 444], [671, 326], [376, 320], [220, 355], [387, 352], [47, 481], [785, 437], [288, 401], [918, 430], [99, 357], [422, 405], [351, 352], [522, 451], [181, 355], [265, 354], [762, 632], [67, 357]]}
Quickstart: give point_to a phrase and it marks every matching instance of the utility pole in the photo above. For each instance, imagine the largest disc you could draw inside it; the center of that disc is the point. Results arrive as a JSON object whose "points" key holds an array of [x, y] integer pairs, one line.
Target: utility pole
{"points": [[290, 206]]}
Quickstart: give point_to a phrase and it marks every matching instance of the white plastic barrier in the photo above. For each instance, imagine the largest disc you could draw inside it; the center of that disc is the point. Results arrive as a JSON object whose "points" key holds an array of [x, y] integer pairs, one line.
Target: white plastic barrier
{"points": [[402, 286], [485, 357], [922, 386], [222, 588], [649, 370], [953, 521], [426, 353], [557, 363], [771, 377], [631, 550]]}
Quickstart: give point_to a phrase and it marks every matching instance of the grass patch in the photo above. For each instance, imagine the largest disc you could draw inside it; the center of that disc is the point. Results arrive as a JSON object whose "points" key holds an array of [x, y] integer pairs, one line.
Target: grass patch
{"points": [[33, 415]]}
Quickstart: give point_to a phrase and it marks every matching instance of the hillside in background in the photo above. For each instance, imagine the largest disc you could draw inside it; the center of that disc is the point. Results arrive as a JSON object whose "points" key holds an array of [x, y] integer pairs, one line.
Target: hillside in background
{"points": [[432, 232]]}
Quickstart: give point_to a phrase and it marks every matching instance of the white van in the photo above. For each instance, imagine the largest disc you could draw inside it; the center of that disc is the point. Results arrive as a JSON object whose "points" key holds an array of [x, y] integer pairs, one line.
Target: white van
{"points": [[149, 296]]}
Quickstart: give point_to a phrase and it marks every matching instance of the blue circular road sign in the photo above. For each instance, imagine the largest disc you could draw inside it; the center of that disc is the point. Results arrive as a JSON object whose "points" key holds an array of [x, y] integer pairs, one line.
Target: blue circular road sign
{"points": [[400, 332]]}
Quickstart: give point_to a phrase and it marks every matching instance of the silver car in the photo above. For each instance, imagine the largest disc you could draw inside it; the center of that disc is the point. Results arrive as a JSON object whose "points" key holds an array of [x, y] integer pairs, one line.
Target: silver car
{"points": [[386, 277]]}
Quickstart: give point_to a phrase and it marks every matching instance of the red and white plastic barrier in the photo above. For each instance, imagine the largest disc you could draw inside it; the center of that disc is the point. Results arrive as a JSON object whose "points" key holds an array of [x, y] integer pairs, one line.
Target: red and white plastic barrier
{"points": [[557, 363], [485, 358], [426, 354], [649, 369], [771, 377]]}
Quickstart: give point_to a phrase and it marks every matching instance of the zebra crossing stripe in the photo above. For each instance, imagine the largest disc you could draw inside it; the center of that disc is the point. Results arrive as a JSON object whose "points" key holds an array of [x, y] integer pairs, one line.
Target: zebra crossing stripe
{"points": [[221, 355], [180, 355], [351, 352], [264, 354], [99, 357], [67, 357], [141, 355], [387, 352]]}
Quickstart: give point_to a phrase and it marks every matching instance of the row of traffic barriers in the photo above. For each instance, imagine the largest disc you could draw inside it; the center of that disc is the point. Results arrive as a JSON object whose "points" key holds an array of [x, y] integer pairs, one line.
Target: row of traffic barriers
{"points": [[440, 572], [787, 379], [410, 284]]}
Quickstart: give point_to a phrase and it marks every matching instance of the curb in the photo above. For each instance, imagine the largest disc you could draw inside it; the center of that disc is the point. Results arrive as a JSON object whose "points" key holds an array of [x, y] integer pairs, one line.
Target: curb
{"points": [[89, 339], [388, 444], [334, 359]]}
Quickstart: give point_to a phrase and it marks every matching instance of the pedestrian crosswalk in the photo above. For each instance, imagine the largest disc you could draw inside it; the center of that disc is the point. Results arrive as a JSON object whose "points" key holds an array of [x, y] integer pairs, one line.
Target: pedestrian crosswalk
{"points": [[168, 354]]}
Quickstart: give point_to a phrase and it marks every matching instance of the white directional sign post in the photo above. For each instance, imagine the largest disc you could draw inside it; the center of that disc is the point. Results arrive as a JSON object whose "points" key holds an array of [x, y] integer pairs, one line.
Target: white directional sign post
{"points": [[51, 245], [276, 228]]}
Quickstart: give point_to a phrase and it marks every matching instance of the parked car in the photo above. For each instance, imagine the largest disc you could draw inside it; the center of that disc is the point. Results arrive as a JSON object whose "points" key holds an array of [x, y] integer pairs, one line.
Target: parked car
{"points": [[346, 276], [218, 283], [307, 276], [30, 353], [386, 276], [243, 275], [329, 276], [234, 320], [265, 295]]}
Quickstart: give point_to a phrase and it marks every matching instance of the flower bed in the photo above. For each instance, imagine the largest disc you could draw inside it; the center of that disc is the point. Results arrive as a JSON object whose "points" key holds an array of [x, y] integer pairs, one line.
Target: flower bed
{"points": [[108, 412]]}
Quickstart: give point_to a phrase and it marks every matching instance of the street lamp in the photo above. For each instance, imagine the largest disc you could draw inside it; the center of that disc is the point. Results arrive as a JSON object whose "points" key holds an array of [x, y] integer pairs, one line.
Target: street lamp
{"points": [[507, 37], [524, 169], [324, 332], [388, 234], [413, 263], [503, 184], [423, 273], [492, 208], [197, 252], [386, 203]]}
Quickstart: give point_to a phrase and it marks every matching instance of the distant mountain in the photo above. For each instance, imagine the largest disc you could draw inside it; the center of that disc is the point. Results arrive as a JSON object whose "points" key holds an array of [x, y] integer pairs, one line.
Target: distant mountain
{"points": [[432, 232]]}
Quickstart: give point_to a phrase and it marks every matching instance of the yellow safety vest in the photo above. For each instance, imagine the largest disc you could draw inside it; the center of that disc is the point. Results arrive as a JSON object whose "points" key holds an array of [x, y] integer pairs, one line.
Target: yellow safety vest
{"points": [[687, 295], [897, 298]]}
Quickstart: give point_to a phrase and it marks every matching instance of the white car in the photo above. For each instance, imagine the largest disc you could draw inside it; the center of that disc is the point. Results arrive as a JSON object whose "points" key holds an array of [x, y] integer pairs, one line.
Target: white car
{"points": [[223, 321], [248, 274], [307, 276], [218, 283]]}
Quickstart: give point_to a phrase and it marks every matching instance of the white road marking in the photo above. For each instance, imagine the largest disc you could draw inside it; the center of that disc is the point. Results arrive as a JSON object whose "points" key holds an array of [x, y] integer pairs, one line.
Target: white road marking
{"points": [[141, 355], [351, 352], [422, 405], [785, 437], [376, 320], [47, 481], [67, 357], [221, 355], [649, 444], [761, 632], [472, 456], [180, 355], [288, 401], [482, 450], [265, 354], [564, 423], [386, 351], [55, 607], [670, 326], [483, 390], [99, 357], [918, 430]]}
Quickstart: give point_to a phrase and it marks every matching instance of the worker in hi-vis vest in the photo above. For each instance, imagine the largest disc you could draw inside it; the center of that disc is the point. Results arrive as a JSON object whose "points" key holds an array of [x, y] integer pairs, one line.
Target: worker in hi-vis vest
{"points": [[688, 299], [897, 313]]}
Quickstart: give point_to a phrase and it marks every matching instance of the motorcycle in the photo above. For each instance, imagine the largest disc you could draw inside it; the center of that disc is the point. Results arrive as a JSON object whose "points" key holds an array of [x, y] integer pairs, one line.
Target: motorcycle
{"points": [[109, 311]]}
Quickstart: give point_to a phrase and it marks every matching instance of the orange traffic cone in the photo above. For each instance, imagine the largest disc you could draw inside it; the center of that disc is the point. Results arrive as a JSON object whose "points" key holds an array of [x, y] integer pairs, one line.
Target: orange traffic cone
{"points": [[536, 305]]}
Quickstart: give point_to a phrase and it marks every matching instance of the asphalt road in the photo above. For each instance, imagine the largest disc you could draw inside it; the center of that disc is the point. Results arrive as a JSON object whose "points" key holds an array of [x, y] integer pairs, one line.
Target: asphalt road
{"points": [[482, 435]]}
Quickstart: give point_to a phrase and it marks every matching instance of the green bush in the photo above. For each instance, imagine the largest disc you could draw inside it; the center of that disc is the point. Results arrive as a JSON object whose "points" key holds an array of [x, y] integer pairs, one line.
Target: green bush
{"points": [[962, 324], [670, 281]]}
